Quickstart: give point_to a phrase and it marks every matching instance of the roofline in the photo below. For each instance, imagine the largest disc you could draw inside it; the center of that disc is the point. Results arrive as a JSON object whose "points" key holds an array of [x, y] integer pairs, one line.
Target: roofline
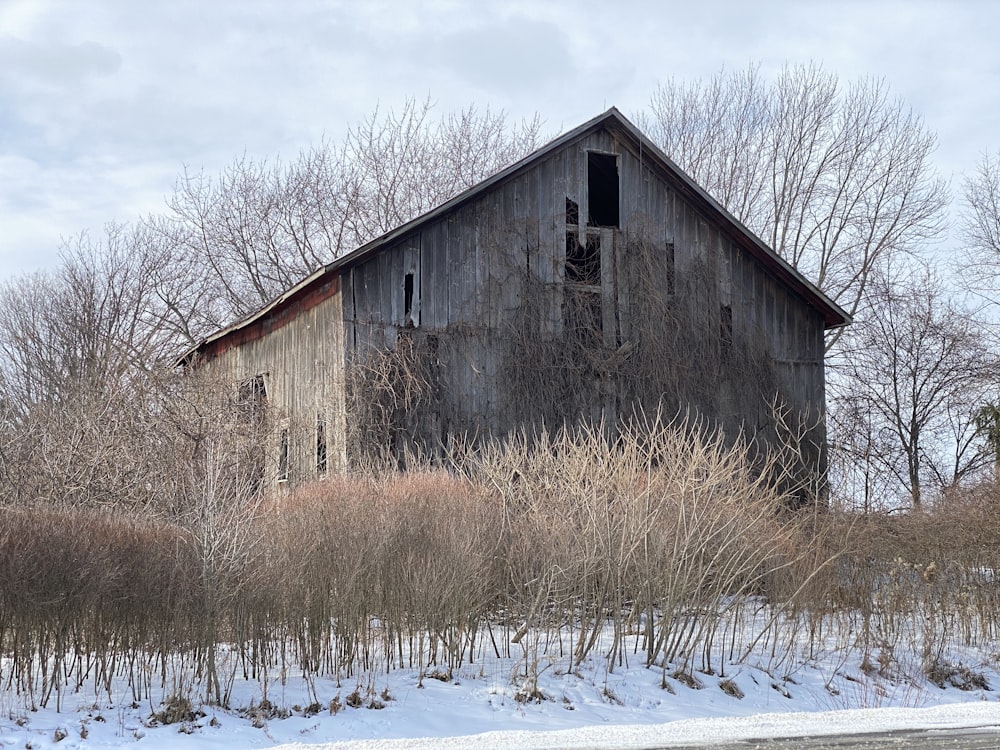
{"points": [[833, 315], [282, 300]]}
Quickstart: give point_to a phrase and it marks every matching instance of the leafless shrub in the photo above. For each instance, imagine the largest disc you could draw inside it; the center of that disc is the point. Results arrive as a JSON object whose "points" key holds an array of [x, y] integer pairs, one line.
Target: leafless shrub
{"points": [[176, 710], [687, 679], [125, 589], [414, 549], [660, 542], [657, 528], [920, 582], [354, 700], [389, 394]]}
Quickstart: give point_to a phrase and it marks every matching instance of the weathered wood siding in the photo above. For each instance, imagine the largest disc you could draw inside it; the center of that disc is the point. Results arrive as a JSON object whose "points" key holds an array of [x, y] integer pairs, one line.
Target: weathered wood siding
{"points": [[477, 267], [302, 364]]}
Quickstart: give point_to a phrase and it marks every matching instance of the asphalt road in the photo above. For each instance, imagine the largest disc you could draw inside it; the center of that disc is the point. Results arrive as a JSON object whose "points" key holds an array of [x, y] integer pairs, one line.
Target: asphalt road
{"points": [[983, 738]]}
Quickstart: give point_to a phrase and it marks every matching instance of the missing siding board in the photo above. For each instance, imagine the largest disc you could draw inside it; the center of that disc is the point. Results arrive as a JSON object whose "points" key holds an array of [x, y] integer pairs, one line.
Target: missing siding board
{"points": [[602, 189], [408, 298], [583, 261], [321, 454], [572, 212], [283, 455]]}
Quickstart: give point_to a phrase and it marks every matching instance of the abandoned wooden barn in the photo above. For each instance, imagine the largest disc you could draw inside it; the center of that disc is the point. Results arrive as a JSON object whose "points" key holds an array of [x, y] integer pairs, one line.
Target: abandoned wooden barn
{"points": [[590, 278]]}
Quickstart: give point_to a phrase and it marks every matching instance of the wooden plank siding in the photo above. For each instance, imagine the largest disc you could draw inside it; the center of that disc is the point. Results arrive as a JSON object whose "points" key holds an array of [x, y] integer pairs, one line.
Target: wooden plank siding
{"points": [[302, 365], [472, 262]]}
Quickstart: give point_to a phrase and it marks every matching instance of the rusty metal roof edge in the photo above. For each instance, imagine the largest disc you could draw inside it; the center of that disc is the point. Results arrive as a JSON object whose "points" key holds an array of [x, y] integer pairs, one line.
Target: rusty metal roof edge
{"points": [[286, 295]]}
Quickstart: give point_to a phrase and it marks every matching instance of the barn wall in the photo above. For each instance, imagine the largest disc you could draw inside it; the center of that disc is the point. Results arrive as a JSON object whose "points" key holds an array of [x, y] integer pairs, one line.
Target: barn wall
{"points": [[302, 364], [492, 304]]}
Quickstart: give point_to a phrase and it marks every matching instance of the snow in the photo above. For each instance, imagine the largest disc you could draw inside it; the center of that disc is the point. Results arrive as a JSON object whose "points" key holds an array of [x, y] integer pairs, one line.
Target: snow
{"points": [[594, 706]]}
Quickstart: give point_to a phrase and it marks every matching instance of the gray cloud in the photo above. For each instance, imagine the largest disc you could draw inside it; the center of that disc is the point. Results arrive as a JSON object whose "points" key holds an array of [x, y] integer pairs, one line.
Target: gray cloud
{"points": [[30, 63], [508, 55]]}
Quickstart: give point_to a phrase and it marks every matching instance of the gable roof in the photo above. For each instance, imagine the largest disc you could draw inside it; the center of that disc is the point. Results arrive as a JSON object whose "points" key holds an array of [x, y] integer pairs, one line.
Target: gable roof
{"points": [[616, 123]]}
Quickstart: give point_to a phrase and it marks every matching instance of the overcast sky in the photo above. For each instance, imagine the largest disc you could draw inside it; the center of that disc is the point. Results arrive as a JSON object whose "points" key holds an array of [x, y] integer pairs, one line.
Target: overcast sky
{"points": [[104, 102]]}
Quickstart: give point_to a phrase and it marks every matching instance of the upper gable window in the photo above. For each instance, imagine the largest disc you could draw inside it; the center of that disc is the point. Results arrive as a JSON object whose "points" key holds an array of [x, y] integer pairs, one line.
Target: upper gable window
{"points": [[602, 189]]}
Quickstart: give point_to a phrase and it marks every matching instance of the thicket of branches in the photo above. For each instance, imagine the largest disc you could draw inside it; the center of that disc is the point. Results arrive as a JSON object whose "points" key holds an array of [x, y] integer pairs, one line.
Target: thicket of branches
{"points": [[838, 179], [668, 353], [664, 546]]}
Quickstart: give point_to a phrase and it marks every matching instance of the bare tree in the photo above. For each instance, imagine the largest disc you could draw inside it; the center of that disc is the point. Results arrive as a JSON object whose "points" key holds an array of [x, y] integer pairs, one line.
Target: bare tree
{"points": [[918, 369], [980, 225], [83, 380], [93, 320], [837, 180], [260, 226]]}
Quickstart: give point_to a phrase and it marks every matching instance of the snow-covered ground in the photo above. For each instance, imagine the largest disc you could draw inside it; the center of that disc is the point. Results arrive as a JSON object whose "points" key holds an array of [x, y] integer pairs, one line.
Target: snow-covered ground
{"points": [[593, 707]]}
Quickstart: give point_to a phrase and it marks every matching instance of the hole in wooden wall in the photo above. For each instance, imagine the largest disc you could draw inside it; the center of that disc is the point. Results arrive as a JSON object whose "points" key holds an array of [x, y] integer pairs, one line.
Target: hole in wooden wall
{"points": [[583, 261], [602, 189]]}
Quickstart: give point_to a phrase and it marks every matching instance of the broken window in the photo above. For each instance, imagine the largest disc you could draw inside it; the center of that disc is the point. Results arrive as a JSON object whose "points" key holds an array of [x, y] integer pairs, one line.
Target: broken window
{"points": [[583, 300], [250, 411], [583, 261], [321, 458], [602, 189], [283, 455]]}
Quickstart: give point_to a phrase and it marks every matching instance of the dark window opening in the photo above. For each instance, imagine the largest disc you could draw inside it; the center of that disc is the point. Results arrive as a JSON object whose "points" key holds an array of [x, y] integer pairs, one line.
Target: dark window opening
{"points": [[354, 313], [668, 260], [583, 262], [408, 297], [602, 189], [726, 328], [572, 213], [283, 456], [321, 459]]}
